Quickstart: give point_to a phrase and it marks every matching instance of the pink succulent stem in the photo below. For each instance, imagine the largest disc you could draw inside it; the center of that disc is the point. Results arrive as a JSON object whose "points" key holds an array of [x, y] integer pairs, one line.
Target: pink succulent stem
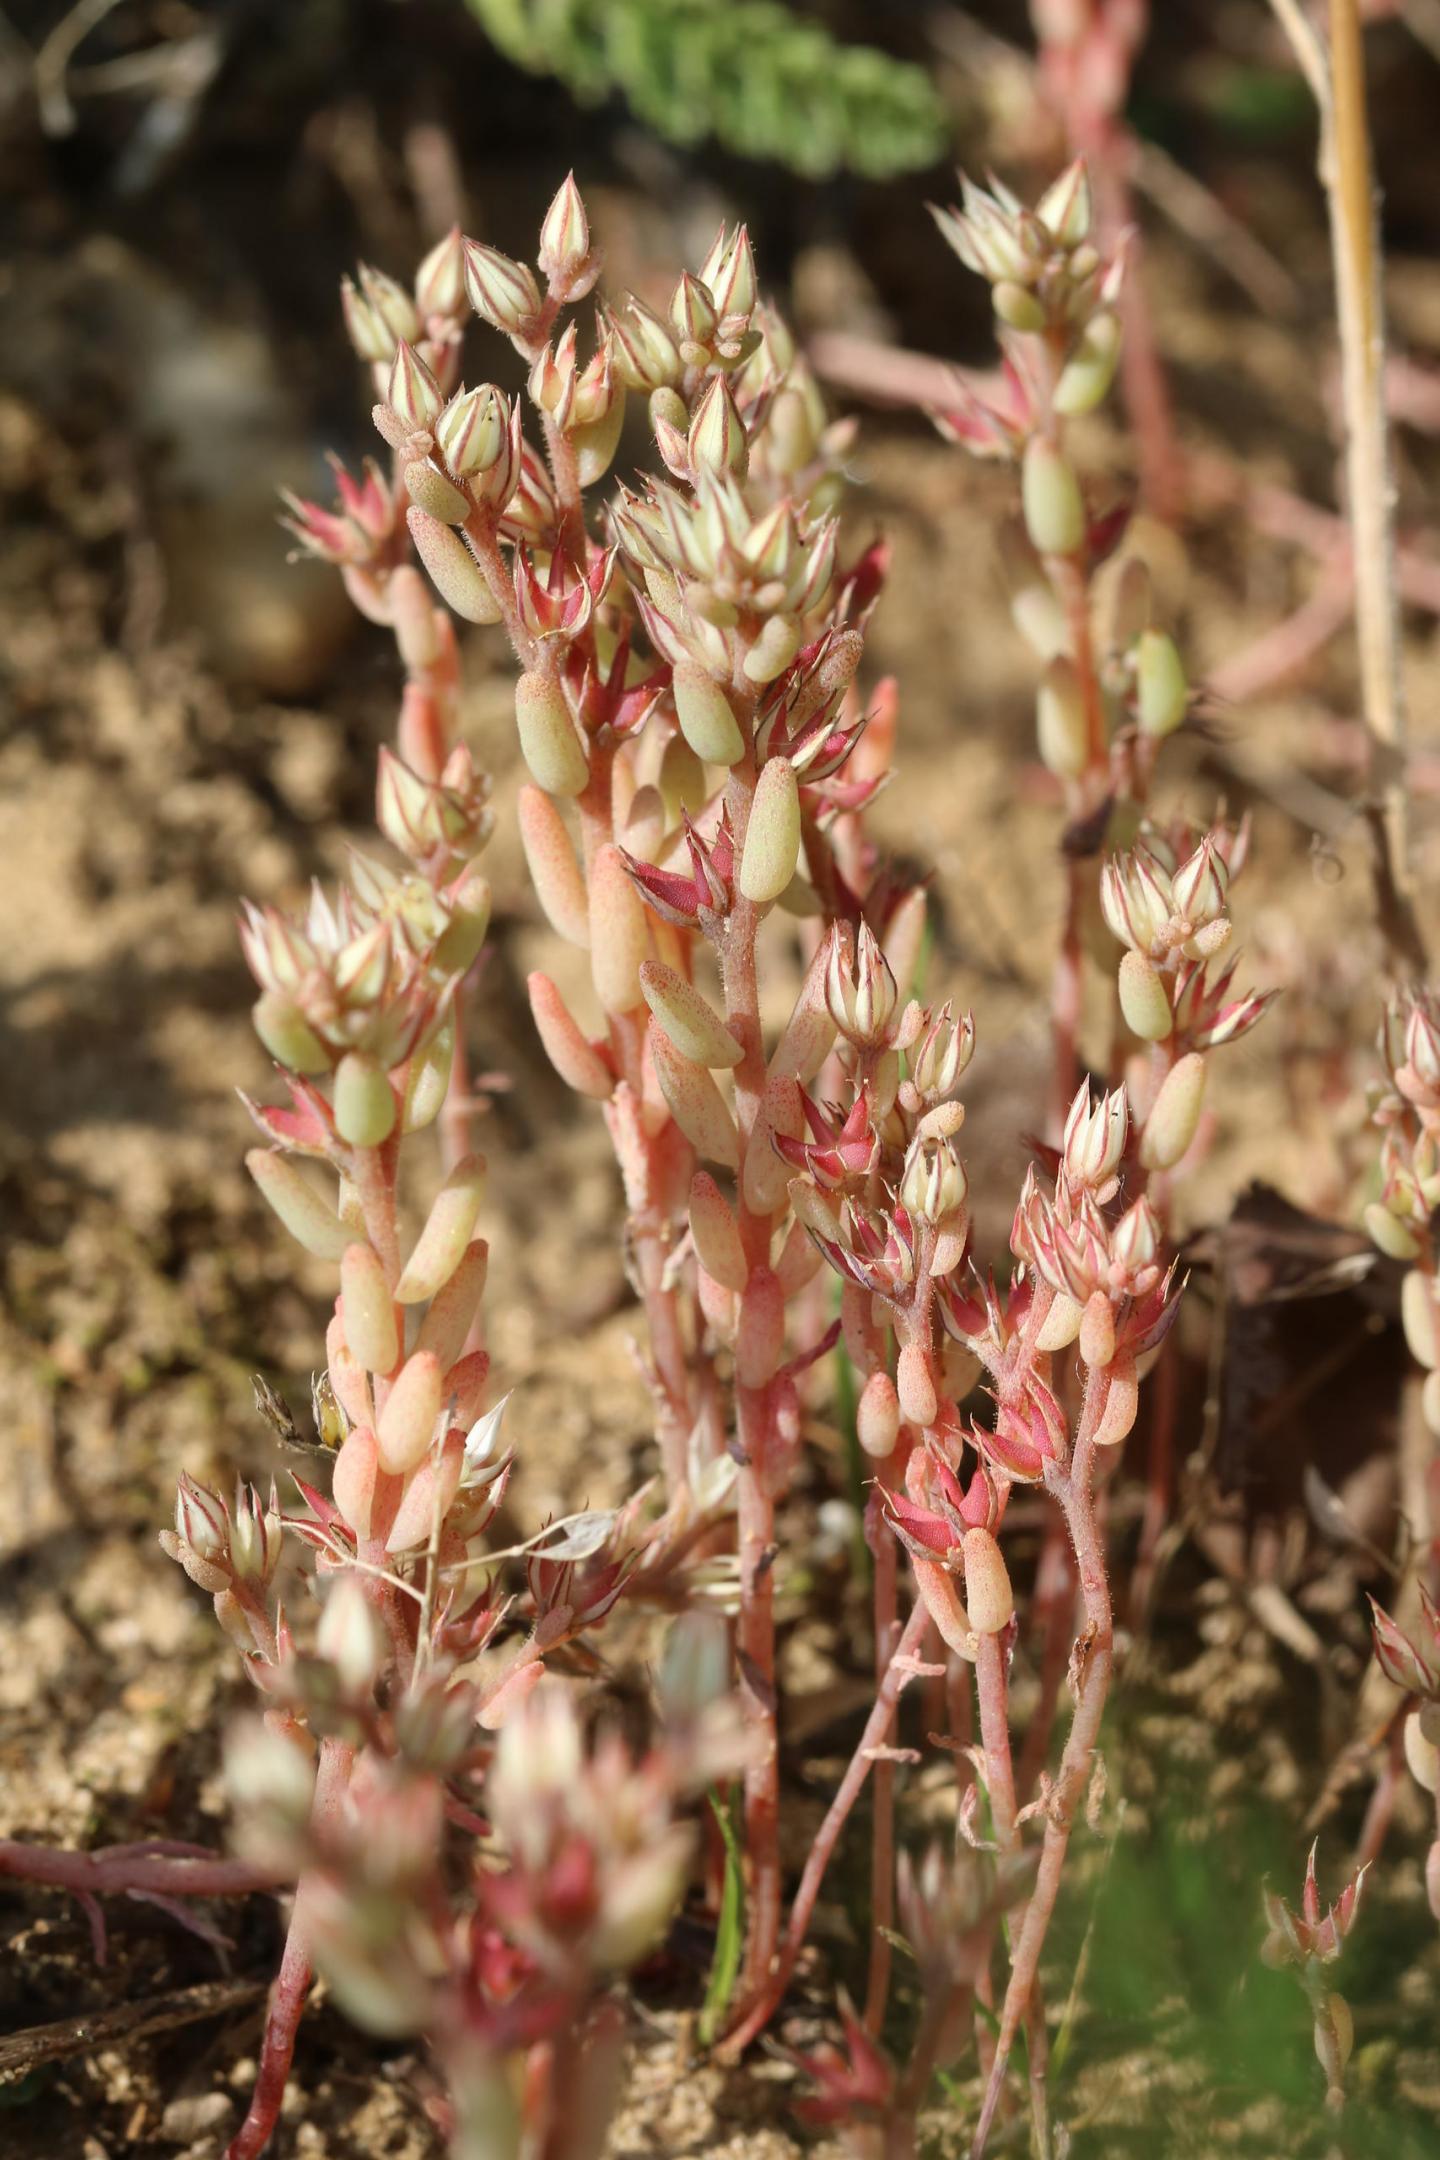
{"points": [[107, 1873], [882, 1857], [1073, 1488], [757, 2013], [292, 1984]]}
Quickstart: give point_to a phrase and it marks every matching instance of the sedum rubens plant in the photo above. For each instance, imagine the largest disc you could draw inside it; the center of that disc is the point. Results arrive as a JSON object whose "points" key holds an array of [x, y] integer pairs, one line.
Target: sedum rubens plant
{"points": [[700, 764]]}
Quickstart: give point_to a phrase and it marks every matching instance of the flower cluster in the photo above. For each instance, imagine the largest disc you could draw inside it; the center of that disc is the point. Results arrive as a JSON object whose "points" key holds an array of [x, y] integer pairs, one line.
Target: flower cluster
{"points": [[1406, 1108]]}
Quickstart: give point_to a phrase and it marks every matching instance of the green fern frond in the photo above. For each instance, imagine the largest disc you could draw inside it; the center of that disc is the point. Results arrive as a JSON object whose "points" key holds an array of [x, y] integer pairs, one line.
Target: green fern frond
{"points": [[754, 76]]}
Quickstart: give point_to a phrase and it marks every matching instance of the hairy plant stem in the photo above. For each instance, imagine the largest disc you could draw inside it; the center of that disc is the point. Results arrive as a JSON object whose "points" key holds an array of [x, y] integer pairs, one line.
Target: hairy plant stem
{"points": [[292, 1984], [882, 1850], [756, 2014], [755, 1431], [116, 1870], [1072, 1487]]}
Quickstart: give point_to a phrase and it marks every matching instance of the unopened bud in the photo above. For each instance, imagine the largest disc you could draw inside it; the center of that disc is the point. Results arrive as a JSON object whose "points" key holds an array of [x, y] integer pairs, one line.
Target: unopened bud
{"points": [[549, 742], [877, 1417], [413, 390], [364, 1100], [473, 431], [440, 280], [1175, 1118], [1050, 498], [989, 1599], [350, 1638], [1144, 999], [1065, 208], [501, 290], [717, 441], [706, 718], [772, 837], [564, 235]]}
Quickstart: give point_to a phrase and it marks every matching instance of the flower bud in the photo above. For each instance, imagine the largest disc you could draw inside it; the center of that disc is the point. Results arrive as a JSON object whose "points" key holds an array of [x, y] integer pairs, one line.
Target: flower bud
{"points": [[933, 1184], [311, 1221], [695, 1028], [877, 1417], [706, 718], [364, 1101], [1144, 999], [448, 1230], [549, 741], [564, 236], [1161, 691], [717, 441], [716, 1233], [696, 1104], [502, 291], [1065, 208], [1175, 1118], [453, 570], [370, 1332], [1061, 725], [406, 1425], [413, 391], [575, 1059], [989, 1599], [350, 1638], [619, 933], [1050, 498], [440, 280], [772, 837], [472, 433]]}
